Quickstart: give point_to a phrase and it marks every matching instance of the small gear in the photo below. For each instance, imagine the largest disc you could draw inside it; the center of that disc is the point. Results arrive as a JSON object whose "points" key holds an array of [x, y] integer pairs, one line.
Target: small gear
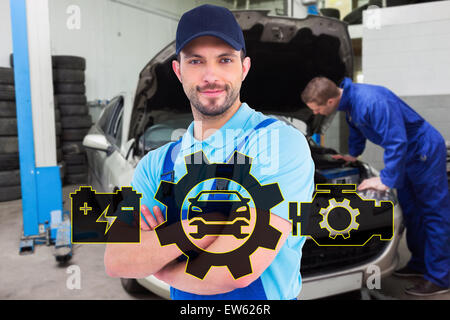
{"points": [[353, 225]]}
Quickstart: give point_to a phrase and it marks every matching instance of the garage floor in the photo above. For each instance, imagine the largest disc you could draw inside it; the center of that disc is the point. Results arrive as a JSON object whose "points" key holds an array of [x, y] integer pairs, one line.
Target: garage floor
{"points": [[38, 275]]}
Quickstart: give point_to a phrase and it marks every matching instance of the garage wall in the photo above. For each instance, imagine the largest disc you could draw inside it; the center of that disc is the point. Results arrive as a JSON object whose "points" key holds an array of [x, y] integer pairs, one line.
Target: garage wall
{"points": [[5, 33], [117, 37], [407, 49]]}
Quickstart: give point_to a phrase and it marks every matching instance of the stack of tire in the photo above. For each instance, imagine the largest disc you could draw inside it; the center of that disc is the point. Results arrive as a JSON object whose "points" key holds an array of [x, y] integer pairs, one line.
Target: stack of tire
{"points": [[70, 94], [9, 148], [58, 130]]}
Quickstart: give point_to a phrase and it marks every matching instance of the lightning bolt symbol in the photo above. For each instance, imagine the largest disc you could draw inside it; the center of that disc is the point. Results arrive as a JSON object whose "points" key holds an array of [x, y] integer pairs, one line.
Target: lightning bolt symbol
{"points": [[105, 218]]}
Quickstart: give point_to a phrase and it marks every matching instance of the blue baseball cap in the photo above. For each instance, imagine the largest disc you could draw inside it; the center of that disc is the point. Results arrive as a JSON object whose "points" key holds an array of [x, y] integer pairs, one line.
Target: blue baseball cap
{"points": [[209, 20]]}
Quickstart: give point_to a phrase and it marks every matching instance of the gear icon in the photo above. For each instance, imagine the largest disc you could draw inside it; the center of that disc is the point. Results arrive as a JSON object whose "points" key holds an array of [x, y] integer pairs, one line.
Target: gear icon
{"points": [[172, 195], [353, 225]]}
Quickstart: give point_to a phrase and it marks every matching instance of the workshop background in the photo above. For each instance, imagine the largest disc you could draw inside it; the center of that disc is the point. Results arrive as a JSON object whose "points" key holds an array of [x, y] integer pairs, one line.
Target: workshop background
{"points": [[406, 48]]}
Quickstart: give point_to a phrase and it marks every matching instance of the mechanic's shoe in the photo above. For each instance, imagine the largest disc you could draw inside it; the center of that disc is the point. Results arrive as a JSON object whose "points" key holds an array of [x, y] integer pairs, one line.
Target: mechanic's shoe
{"points": [[407, 272], [426, 288]]}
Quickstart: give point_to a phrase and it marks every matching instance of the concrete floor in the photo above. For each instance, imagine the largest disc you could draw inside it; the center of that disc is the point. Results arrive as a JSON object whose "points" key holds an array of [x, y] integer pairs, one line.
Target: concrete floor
{"points": [[39, 276]]}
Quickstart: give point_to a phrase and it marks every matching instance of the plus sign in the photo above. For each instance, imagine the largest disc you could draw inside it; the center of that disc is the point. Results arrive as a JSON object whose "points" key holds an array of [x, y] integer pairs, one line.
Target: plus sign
{"points": [[85, 209]]}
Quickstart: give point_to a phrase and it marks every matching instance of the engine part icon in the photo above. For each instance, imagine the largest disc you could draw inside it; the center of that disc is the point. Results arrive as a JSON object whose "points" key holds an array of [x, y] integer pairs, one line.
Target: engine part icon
{"points": [[325, 218], [325, 212]]}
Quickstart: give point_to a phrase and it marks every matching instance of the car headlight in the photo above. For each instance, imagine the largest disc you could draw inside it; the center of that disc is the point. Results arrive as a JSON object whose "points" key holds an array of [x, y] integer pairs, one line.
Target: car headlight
{"points": [[370, 194]]}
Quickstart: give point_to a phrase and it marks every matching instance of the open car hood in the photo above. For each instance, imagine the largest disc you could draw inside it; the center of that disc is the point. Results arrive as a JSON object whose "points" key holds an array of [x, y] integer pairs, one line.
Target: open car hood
{"points": [[286, 54]]}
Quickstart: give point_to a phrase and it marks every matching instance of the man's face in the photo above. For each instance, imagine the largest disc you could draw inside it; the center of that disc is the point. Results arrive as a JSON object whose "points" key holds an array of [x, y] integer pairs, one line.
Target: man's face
{"points": [[211, 72], [324, 109]]}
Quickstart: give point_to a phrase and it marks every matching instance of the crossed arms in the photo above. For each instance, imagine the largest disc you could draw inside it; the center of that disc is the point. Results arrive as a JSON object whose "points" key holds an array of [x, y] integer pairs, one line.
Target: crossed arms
{"points": [[150, 258]]}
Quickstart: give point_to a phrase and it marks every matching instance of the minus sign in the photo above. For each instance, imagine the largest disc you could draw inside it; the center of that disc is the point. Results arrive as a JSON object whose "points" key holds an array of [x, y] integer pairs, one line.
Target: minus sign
{"points": [[127, 208]]}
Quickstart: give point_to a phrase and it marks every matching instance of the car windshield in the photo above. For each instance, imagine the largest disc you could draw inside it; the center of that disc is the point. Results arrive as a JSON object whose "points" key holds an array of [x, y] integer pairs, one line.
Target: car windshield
{"points": [[165, 131], [173, 129], [226, 196]]}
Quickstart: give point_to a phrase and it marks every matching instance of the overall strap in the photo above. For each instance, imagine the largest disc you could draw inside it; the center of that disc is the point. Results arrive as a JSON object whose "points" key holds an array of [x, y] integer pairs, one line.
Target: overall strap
{"points": [[168, 174]]}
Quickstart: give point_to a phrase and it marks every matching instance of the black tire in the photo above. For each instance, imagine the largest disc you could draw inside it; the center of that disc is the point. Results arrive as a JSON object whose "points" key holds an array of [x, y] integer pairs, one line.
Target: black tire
{"points": [[79, 178], [69, 88], [9, 145], [11, 60], [58, 128], [70, 99], [57, 115], [76, 122], [62, 169], [9, 178], [73, 109], [69, 62], [8, 127], [132, 286], [59, 155], [7, 92], [74, 159], [8, 109], [9, 161], [10, 193], [6, 76], [73, 147], [76, 169], [68, 76], [74, 134]]}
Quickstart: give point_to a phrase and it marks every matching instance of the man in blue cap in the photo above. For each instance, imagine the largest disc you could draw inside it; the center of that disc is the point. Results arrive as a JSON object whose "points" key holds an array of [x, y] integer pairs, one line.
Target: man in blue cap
{"points": [[415, 164], [211, 66]]}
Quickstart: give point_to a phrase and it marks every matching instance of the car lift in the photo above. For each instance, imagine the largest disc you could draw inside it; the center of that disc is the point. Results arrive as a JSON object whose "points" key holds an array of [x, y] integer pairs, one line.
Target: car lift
{"points": [[43, 219]]}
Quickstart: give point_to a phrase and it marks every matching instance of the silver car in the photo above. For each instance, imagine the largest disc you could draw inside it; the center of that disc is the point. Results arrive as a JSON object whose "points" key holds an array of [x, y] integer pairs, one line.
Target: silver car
{"points": [[286, 53]]}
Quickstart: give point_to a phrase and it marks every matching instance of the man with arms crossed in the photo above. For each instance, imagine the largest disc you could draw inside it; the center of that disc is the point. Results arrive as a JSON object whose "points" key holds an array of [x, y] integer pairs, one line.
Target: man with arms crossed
{"points": [[211, 67]]}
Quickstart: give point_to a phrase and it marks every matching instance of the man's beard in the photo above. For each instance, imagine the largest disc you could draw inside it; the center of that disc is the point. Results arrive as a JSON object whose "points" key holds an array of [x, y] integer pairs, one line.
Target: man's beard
{"points": [[215, 110]]}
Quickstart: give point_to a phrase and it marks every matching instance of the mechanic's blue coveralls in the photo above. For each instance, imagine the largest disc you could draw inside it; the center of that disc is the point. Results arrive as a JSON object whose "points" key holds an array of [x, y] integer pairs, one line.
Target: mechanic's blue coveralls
{"points": [[415, 164]]}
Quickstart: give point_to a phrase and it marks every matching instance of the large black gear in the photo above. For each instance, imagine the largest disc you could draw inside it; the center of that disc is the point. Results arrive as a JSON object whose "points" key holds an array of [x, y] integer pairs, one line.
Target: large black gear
{"points": [[237, 169]]}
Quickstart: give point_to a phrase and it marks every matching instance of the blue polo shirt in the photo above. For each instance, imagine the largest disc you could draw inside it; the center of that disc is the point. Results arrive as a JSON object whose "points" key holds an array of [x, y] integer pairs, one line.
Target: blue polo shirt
{"points": [[280, 154]]}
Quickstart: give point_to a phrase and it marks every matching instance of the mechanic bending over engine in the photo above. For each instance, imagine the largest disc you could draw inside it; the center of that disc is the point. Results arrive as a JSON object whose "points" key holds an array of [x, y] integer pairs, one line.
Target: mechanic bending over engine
{"points": [[415, 164], [211, 67]]}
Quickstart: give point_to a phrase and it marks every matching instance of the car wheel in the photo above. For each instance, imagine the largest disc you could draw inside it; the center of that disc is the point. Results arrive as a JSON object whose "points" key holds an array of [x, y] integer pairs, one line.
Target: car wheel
{"points": [[69, 88], [6, 76], [132, 286], [9, 178], [74, 134], [71, 99], [10, 193], [68, 76], [77, 178], [7, 92], [8, 127], [76, 122], [9, 145], [69, 62], [9, 161], [7, 109], [73, 147], [74, 109]]}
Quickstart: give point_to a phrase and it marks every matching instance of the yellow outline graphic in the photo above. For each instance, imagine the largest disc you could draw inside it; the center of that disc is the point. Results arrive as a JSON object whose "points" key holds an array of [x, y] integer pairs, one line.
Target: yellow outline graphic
{"points": [[109, 193], [352, 192], [212, 163]]}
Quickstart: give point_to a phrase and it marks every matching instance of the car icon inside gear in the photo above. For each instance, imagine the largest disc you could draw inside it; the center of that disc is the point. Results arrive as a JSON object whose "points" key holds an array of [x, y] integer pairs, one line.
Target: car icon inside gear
{"points": [[172, 196]]}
